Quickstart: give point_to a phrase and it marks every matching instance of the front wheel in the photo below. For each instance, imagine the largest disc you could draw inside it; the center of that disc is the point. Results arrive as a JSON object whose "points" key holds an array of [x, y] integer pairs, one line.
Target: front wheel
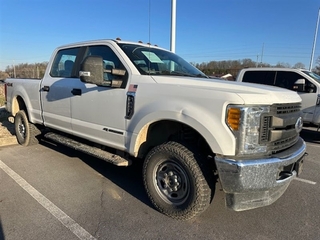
{"points": [[26, 132], [174, 181]]}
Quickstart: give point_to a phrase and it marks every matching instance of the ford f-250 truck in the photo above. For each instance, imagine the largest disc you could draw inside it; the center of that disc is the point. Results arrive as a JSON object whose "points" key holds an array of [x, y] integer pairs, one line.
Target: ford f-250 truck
{"points": [[123, 102]]}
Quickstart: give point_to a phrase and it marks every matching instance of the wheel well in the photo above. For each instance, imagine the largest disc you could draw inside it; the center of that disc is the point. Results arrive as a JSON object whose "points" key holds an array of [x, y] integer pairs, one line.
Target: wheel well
{"points": [[18, 104], [166, 130]]}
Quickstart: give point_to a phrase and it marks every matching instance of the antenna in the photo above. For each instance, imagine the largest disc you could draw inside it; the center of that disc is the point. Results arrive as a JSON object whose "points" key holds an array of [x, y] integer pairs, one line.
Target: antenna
{"points": [[149, 21]]}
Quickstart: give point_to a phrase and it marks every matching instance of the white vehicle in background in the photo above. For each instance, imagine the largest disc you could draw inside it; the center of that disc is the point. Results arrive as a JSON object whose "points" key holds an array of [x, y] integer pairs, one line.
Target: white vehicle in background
{"points": [[304, 82]]}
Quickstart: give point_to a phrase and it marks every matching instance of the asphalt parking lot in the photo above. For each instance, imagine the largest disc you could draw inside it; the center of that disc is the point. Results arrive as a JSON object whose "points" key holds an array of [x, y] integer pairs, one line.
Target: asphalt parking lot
{"points": [[51, 192]]}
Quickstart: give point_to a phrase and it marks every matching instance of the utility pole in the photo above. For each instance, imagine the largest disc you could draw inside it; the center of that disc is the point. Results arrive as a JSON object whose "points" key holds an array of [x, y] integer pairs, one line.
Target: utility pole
{"points": [[173, 26], [314, 42], [14, 70], [262, 53]]}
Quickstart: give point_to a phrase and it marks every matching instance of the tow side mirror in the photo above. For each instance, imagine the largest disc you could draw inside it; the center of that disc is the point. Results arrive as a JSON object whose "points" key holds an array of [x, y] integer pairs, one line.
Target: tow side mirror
{"points": [[299, 85], [91, 70]]}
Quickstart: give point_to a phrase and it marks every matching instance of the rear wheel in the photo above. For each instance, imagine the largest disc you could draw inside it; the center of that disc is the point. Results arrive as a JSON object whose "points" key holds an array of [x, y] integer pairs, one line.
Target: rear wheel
{"points": [[26, 132], [174, 181]]}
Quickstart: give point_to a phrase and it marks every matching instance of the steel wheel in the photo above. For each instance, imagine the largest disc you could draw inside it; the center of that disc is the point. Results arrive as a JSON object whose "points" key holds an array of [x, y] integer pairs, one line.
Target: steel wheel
{"points": [[174, 181], [171, 182]]}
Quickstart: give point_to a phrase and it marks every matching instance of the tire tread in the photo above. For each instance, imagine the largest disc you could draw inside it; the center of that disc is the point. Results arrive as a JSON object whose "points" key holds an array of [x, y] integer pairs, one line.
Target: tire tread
{"points": [[31, 130], [203, 194]]}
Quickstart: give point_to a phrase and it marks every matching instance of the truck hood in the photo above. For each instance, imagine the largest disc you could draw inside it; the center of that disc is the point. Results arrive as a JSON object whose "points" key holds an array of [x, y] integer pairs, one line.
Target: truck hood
{"points": [[249, 92]]}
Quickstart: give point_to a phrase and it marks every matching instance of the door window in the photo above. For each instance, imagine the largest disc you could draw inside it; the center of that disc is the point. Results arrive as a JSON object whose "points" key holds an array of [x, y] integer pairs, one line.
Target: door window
{"points": [[310, 87], [288, 80], [110, 61], [63, 63]]}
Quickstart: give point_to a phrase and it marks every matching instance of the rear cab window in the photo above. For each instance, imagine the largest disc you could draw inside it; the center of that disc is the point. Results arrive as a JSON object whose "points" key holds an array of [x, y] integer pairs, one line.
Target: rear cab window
{"points": [[261, 77]]}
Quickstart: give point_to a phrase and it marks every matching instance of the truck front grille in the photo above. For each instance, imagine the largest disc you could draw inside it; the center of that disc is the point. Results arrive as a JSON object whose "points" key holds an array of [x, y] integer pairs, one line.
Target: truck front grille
{"points": [[278, 127], [290, 108]]}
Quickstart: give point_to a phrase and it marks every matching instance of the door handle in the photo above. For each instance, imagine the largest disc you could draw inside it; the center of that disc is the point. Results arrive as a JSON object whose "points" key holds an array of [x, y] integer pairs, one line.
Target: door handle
{"points": [[45, 88], [76, 91]]}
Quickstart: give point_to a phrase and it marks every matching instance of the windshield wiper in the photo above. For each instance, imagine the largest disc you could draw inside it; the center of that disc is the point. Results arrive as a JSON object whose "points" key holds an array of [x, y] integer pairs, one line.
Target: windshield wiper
{"points": [[201, 76]]}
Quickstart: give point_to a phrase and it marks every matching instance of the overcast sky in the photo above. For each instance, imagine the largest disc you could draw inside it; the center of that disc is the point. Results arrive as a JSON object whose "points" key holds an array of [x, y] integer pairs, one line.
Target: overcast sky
{"points": [[270, 31]]}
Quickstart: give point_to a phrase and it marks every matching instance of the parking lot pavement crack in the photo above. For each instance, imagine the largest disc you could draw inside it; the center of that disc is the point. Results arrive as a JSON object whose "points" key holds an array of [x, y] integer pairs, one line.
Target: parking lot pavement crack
{"points": [[101, 209]]}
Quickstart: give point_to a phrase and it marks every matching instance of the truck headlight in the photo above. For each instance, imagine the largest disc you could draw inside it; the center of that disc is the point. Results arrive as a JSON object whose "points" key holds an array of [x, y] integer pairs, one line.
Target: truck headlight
{"points": [[245, 121]]}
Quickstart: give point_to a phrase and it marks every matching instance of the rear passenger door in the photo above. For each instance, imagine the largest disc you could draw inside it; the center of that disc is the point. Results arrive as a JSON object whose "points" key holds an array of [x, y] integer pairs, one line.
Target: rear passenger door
{"points": [[287, 79]]}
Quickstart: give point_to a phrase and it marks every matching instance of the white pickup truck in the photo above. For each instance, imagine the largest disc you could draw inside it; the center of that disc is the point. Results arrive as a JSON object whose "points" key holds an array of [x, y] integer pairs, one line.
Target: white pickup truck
{"points": [[124, 102], [304, 82]]}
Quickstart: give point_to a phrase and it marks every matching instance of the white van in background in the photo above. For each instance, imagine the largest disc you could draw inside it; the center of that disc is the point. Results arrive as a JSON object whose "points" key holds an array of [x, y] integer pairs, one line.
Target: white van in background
{"points": [[304, 82]]}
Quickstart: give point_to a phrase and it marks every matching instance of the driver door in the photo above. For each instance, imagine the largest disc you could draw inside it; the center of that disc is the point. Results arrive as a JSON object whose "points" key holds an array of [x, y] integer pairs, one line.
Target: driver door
{"points": [[98, 112]]}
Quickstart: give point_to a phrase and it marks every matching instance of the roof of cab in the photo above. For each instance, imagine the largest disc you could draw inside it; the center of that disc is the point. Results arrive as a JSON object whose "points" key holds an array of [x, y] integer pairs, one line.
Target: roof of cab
{"points": [[103, 41], [275, 69]]}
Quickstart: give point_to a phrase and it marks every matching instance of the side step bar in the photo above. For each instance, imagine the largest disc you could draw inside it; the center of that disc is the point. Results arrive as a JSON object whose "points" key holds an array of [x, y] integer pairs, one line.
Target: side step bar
{"points": [[93, 151]]}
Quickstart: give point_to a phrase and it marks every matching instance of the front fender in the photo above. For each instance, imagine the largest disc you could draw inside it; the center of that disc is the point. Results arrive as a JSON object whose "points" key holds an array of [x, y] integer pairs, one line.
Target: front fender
{"points": [[210, 125]]}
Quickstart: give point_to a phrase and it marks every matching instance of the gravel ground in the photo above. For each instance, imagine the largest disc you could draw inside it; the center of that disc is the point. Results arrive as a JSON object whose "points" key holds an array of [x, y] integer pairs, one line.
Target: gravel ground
{"points": [[7, 136]]}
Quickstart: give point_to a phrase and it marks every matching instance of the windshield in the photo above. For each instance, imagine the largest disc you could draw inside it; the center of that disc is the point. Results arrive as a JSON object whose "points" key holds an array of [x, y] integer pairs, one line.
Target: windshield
{"points": [[313, 75], [154, 61]]}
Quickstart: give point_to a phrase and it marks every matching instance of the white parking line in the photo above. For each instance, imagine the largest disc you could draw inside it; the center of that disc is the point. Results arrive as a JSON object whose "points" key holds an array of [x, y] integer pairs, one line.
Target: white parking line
{"points": [[305, 181], [68, 222]]}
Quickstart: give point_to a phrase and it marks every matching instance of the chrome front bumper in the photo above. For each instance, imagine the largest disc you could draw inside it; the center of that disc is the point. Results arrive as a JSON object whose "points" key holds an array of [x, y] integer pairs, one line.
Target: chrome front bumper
{"points": [[259, 182]]}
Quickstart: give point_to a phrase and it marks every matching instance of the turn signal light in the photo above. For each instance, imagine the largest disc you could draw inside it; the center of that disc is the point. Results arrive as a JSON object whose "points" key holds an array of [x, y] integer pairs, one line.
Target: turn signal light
{"points": [[233, 118]]}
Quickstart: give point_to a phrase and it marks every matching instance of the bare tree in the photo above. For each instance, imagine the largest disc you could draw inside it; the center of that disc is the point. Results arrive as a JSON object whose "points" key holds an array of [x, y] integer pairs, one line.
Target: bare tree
{"points": [[283, 65], [26, 70], [317, 67], [3, 75], [299, 65]]}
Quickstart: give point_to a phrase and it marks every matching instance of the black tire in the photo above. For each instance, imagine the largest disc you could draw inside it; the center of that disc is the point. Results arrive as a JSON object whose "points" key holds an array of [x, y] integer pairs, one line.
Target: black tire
{"points": [[174, 181], [26, 132]]}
